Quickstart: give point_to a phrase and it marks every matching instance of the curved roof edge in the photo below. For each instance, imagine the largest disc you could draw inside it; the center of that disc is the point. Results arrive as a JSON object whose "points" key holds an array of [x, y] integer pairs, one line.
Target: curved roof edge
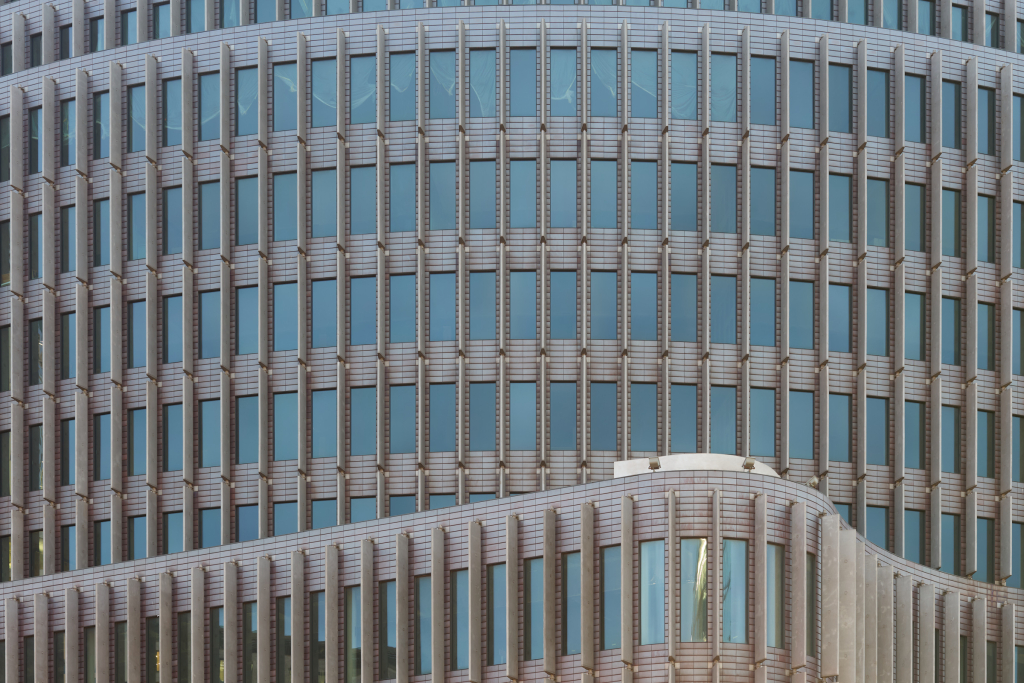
{"points": [[692, 461]]}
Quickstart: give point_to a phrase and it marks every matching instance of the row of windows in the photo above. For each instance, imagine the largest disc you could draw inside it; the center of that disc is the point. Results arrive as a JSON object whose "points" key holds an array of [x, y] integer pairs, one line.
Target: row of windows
{"points": [[523, 100], [229, 13], [693, 604]]}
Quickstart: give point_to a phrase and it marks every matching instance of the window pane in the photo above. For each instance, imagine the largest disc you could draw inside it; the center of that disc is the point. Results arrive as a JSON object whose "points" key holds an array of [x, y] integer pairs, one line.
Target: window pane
{"points": [[986, 444], [762, 201], [950, 544], [652, 592], [723, 420], [522, 414], [643, 206], [776, 581], [840, 208], [643, 78], [762, 312], [723, 309], [684, 418], [563, 194], [209, 433], [325, 423], [951, 114], [285, 208], [611, 597], [563, 416], [362, 89], [442, 417], [603, 416], [209, 106], [442, 84], [402, 198], [363, 427], [482, 416], [643, 293], [986, 229], [723, 199], [604, 193], [915, 106], [950, 331], [482, 83], [523, 81], [723, 87], [839, 317], [603, 82], [563, 82], [734, 591], [402, 100], [684, 85], [482, 195], [603, 305], [643, 427], [324, 204], [363, 310], [285, 421], [571, 603], [877, 435], [523, 195], [878, 322], [878, 212], [209, 528], [693, 565], [402, 301], [442, 306], [878, 526], [840, 90], [684, 196], [285, 334], [482, 310], [951, 439], [209, 324], [684, 307], [442, 195], [801, 425], [878, 100], [246, 317], [801, 204], [986, 336], [246, 89], [839, 422], [285, 94], [986, 120], [801, 93], [137, 226], [325, 304], [950, 222], [914, 439], [762, 91], [762, 422], [914, 217]]}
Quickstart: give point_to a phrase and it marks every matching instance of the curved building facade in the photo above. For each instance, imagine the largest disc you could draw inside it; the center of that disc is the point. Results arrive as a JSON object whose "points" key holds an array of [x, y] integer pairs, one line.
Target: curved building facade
{"points": [[316, 317]]}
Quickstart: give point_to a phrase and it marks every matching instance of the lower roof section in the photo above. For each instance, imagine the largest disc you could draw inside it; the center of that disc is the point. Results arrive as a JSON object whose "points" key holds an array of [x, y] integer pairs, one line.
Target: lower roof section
{"points": [[642, 575]]}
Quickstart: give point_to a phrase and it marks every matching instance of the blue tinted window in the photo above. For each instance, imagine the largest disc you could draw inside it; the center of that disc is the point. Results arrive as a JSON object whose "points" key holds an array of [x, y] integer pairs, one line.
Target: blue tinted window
{"points": [[482, 416], [723, 198], [209, 433], [246, 215], [286, 518], [402, 100], [173, 442], [563, 81], [1016, 580], [762, 90], [611, 597], [209, 527], [402, 198], [643, 83], [840, 94], [101, 447], [172, 220], [171, 112], [840, 209], [136, 338], [137, 224], [442, 417], [684, 196], [877, 322], [482, 195], [643, 306], [914, 107], [986, 553], [285, 301], [603, 82], [604, 305], [1016, 341], [101, 339], [1018, 242], [363, 200], [402, 317], [913, 536], [209, 105], [563, 416], [684, 418], [209, 324], [172, 329], [603, 416], [684, 307], [523, 81], [839, 318], [914, 333], [986, 337], [877, 434], [914, 439], [950, 331], [363, 310], [285, 207], [324, 92], [604, 193], [652, 601], [442, 84], [324, 437], [563, 193], [950, 544], [986, 229], [643, 420], [878, 212], [950, 222], [324, 318], [482, 83], [986, 120], [801, 204], [247, 87], [801, 93], [684, 85], [402, 419], [762, 312], [209, 215], [286, 426], [362, 89], [951, 439], [951, 114], [762, 201], [482, 309], [136, 445], [801, 425], [839, 422], [247, 429], [442, 195], [986, 444], [522, 305], [324, 514], [723, 420], [247, 319], [363, 415], [402, 505], [643, 187], [914, 217], [562, 308], [762, 423], [878, 100], [324, 205], [523, 194], [878, 526], [723, 87], [442, 306], [723, 309], [522, 416]]}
